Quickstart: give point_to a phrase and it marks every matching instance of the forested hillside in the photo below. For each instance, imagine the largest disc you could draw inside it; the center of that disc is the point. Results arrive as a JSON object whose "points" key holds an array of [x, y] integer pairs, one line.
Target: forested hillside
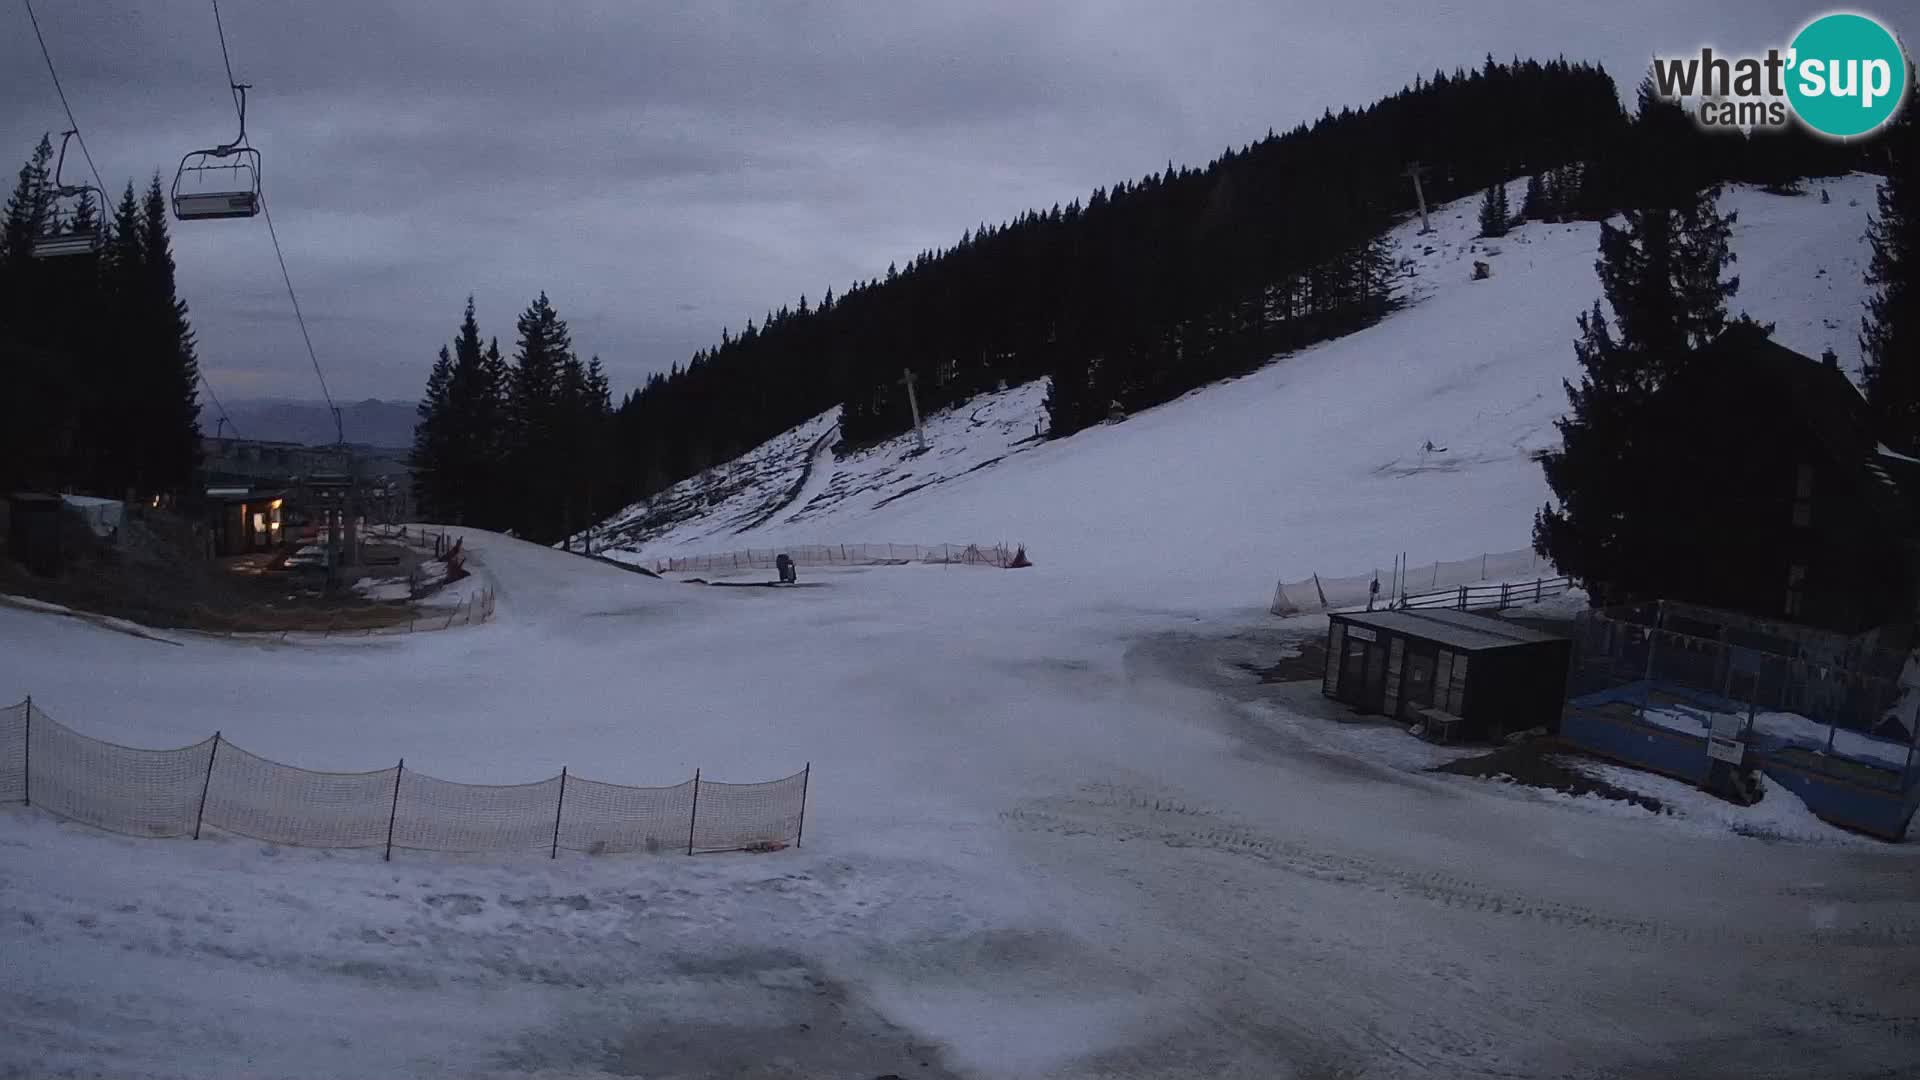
{"points": [[1153, 286]]}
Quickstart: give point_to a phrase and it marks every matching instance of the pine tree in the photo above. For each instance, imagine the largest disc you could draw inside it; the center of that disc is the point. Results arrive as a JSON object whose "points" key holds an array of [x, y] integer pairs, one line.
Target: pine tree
{"points": [[26, 209], [1534, 206], [433, 474], [1493, 211], [1890, 331], [1661, 274], [474, 437], [170, 409], [536, 422]]}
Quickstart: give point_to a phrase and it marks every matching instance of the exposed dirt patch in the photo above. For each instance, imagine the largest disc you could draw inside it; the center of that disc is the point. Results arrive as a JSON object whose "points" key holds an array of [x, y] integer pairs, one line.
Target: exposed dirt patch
{"points": [[1542, 763], [1300, 659]]}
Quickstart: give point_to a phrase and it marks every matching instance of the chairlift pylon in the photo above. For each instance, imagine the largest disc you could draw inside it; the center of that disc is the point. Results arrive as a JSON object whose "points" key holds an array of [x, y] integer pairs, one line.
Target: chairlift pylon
{"points": [[223, 182], [63, 231]]}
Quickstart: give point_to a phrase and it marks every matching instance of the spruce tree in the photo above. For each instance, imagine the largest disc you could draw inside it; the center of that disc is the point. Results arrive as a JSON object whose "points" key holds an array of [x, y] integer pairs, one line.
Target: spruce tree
{"points": [[536, 422], [1661, 273], [1493, 211], [170, 443], [433, 475], [1890, 331], [26, 209], [473, 437], [1534, 206]]}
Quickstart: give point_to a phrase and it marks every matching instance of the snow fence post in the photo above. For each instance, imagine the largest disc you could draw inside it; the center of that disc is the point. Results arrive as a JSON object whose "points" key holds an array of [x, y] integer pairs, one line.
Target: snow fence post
{"points": [[394, 811], [1646, 684], [695, 815], [205, 785], [1463, 598], [558, 806], [806, 775], [26, 763], [1483, 566], [1536, 590]]}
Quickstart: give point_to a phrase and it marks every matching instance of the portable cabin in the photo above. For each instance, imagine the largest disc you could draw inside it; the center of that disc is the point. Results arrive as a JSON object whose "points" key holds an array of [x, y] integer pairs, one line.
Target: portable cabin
{"points": [[1465, 676]]}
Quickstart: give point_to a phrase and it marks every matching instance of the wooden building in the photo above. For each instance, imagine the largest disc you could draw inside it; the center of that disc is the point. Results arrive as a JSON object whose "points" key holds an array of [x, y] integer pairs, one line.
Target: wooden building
{"points": [[1465, 676], [243, 520], [1775, 498]]}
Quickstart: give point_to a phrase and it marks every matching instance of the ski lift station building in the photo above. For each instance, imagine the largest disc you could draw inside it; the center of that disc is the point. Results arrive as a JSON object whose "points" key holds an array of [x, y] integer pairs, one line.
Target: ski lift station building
{"points": [[1465, 676]]}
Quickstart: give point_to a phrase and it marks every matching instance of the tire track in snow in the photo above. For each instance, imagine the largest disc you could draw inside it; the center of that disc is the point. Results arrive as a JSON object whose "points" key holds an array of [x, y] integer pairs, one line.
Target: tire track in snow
{"points": [[1105, 812]]}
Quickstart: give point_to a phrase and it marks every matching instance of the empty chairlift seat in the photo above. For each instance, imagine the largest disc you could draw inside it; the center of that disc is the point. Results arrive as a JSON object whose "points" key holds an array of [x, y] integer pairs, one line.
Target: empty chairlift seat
{"points": [[220, 183], [223, 182], [76, 218]]}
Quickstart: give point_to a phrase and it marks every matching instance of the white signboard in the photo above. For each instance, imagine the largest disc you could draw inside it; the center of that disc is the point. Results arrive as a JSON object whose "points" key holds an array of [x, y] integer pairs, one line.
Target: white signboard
{"points": [[1724, 742], [1361, 632]]}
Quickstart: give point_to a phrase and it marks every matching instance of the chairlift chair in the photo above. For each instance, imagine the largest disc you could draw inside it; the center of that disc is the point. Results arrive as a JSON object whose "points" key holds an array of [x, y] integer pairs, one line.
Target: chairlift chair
{"points": [[62, 231], [222, 182]]}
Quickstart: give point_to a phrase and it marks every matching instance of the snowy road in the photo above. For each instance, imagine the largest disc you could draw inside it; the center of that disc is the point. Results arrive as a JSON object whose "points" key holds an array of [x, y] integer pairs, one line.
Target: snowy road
{"points": [[1047, 838]]}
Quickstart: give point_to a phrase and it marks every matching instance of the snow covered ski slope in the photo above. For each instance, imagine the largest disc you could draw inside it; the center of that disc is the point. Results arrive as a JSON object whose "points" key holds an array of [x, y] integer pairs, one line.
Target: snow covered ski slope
{"points": [[1314, 463]]}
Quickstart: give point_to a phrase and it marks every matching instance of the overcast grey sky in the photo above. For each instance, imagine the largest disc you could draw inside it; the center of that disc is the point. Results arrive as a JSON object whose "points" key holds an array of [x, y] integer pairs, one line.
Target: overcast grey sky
{"points": [[663, 169]]}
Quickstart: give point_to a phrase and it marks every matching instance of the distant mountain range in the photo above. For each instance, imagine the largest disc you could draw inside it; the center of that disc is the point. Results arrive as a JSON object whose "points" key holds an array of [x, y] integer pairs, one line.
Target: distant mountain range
{"points": [[370, 422]]}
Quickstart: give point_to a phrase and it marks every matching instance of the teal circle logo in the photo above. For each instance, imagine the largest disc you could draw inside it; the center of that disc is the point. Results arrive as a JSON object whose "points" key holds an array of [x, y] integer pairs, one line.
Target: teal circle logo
{"points": [[1847, 75]]}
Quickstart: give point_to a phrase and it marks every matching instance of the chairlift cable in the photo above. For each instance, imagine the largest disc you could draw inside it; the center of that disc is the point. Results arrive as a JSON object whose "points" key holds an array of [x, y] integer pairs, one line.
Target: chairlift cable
{"points": [[219, 408], [71, 122], [239, 108], [267, 212]]}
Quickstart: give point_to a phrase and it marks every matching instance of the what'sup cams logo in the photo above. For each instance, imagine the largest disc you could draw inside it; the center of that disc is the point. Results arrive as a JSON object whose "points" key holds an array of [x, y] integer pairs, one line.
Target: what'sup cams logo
{"points": [[1843, 75]]}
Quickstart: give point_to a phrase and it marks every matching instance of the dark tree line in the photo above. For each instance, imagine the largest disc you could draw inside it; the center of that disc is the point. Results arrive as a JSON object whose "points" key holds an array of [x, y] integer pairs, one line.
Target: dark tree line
{"points": [[1143, 290], [98, 376], [524, 446], [1151, 287]]}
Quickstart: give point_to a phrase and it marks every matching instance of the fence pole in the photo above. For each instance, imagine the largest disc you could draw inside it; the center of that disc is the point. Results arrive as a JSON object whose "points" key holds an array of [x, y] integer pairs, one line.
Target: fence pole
{"points": [[26, 763], [1483, 566], [1503, 597], [206, 784], [1646, 684], [1463, 598], [394, 811], [1536, 590], [806, 774], [558, 806], [695, 816]]}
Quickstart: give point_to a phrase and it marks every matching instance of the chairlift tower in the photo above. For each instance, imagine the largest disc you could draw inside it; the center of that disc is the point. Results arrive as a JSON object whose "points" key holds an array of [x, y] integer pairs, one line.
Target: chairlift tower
{"points": [[913, 401], [1417, 171]]}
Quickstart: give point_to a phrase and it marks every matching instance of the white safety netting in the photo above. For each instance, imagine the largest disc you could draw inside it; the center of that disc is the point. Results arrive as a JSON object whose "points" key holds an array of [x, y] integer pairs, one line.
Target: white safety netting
{"points": [[266, 800], [736, 816], [439, 815], [13, 753], [604, 819], [1316, 593], [999, 555], [118, 788], [215, 784]]}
